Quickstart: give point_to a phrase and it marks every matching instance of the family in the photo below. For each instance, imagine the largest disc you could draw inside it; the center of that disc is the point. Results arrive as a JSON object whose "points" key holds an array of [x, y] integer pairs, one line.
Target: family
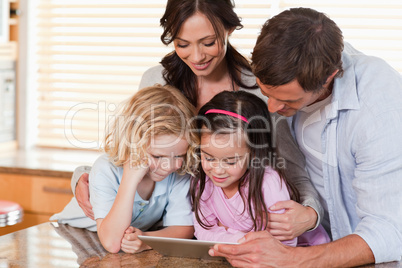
{"points": [[297, 155]]}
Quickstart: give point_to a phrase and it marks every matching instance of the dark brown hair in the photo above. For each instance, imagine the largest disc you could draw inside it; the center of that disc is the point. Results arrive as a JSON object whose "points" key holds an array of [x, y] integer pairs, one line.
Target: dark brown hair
{"points": [[301, 44], [259, 141], [222, 17]]}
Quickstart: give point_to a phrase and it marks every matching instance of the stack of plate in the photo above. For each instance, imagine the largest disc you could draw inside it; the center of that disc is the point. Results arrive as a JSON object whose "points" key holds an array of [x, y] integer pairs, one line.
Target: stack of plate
{"points": [[10, 213]]}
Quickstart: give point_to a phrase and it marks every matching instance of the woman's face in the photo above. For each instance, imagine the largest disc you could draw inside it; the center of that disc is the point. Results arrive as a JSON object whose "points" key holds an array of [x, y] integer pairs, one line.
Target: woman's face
{"points": [[197, 45]]}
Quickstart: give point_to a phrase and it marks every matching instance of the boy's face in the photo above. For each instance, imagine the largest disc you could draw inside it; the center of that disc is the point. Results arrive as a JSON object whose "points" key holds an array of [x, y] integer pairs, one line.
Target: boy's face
{"points": [[224, 159], [166, 155]]}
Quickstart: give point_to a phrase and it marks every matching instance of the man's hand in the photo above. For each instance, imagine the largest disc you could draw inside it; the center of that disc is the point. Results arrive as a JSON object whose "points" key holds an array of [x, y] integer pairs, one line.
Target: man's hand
{"points": [[295, 220], [130, 242], [82, 195], [257, 249]]}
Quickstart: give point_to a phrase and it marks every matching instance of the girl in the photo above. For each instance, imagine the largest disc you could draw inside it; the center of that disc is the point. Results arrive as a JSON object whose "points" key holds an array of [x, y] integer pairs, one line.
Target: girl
{"points": [[136, 183], [203, 64], [239, 179]]}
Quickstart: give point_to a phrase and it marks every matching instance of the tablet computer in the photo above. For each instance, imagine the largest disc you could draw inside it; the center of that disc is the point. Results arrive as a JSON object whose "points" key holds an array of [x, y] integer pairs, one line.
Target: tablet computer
{"points": [[177, 247]]}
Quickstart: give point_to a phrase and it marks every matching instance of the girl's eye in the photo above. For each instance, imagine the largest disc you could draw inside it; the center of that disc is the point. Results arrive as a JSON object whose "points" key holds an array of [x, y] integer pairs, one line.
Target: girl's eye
{"points": [[181, 46], [230, 163], [209, 159], [156, 156], [210, 44]]}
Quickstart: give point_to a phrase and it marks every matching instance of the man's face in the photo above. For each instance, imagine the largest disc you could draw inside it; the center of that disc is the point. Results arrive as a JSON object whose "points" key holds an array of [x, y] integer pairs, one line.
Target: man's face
{"points": [[287, 99]]}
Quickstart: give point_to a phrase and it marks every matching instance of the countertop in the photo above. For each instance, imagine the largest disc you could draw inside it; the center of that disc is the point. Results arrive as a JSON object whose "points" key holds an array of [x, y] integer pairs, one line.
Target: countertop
{"points": [[58, 245], [45, 161]]}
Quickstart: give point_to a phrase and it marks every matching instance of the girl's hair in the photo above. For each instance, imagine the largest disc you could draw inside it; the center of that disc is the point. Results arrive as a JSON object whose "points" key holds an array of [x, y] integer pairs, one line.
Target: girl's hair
{"points": [[222, 17], [152, 111], [258, 136]]}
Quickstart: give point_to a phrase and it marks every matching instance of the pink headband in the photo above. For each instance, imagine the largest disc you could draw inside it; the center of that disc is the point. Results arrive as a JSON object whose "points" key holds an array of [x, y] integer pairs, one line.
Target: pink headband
{"points": [[217, 111]]}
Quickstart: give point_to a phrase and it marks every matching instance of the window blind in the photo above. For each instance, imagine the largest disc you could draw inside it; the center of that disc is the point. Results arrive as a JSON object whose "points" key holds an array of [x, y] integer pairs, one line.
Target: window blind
{"points": [[91, 54]]}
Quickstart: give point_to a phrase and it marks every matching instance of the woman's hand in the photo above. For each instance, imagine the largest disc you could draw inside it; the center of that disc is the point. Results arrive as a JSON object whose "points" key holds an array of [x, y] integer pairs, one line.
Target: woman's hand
{"points": [[82, 195], [296, 220], [130, 242]]}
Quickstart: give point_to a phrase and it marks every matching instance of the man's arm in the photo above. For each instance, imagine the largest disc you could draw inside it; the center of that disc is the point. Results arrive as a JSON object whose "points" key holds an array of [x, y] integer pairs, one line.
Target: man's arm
{"points": [[260, 249]]}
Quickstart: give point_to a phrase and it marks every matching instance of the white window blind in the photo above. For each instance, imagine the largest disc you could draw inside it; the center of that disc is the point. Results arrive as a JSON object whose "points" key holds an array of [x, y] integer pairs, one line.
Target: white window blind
{"points": [[91, 54]]}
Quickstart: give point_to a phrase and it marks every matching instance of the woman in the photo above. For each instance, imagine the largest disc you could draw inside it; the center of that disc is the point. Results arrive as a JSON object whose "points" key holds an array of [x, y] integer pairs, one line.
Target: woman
{"points": [[204, 64]]}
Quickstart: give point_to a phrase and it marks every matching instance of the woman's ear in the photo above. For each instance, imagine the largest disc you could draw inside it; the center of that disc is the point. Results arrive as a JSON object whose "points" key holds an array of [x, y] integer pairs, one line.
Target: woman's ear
{"points": [[231, 30]]}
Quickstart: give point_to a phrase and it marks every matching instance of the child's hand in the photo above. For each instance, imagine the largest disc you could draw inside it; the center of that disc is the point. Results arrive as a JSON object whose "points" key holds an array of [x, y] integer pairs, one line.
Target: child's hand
{"points": [[131, 243], [135, 172]]}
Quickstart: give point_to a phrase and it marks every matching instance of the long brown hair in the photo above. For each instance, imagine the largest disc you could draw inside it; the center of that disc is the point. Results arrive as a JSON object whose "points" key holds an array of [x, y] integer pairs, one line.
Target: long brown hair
{"points": [[222, 17], [259, 141]]}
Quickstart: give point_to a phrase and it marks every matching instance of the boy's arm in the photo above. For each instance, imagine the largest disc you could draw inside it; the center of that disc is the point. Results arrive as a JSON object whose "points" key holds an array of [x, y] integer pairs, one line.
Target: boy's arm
{"points": [[174, 231], [112, 228]]}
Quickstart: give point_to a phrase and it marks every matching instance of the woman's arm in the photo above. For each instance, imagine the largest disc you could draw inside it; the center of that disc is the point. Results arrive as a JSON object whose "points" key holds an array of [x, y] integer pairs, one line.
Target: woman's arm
{"points": [[80, 189], [307, 215]]}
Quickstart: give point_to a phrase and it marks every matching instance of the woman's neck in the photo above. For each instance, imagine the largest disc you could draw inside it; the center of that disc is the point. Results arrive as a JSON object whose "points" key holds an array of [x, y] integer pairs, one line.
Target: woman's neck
{"points": [[208, 86]]}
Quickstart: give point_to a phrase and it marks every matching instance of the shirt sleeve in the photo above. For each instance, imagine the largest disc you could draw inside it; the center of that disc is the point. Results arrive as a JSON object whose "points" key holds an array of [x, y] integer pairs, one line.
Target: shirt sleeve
{"points": [[104, 181], [215, 233], [295, 166], [152, 76], [76, 176], [178, 208], [378, 184], [274, 190]]}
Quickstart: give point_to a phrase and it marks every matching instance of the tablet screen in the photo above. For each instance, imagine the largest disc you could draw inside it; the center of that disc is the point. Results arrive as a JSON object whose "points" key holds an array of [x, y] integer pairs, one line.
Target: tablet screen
{"points": [[177, 247]]}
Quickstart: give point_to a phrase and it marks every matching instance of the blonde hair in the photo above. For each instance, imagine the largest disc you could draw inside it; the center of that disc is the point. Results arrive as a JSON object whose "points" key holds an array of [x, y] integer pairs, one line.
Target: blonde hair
{"points": [[152, 111]]}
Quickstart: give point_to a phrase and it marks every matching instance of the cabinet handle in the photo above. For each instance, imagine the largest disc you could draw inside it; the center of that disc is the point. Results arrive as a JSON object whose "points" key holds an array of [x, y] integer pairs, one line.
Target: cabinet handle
{"points": [[56, 190]]}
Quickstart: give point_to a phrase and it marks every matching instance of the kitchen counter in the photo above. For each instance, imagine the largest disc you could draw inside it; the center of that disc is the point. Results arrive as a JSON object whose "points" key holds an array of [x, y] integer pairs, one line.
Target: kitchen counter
{"points": [[45, 161], [58, 245]]}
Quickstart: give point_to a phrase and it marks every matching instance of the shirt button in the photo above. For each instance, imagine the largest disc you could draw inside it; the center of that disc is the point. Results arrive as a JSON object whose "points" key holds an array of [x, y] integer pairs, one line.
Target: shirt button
{"points": [[142, 210], [142, 204]]}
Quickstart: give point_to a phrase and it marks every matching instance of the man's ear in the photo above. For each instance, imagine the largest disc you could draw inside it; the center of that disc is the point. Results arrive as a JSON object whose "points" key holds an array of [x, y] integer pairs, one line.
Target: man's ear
{"points": [[331, 77]]}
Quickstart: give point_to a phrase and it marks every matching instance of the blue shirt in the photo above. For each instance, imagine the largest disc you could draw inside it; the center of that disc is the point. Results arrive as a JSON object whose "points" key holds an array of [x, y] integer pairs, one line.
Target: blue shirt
{"points": [[362, 154], [170, 200]]}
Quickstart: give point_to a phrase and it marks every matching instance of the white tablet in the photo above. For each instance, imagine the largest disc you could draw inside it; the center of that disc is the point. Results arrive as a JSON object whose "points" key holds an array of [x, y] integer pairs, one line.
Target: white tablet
{"points": [[177, 247]]}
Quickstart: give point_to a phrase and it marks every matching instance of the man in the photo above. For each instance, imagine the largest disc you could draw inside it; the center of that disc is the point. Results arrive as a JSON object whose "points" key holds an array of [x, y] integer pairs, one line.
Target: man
{"points": [[345, 111]]}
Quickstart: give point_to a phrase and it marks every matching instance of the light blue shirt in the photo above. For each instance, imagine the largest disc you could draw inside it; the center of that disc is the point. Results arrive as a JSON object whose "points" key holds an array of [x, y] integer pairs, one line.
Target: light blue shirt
{"points": [[362, 154], [170, 200]]}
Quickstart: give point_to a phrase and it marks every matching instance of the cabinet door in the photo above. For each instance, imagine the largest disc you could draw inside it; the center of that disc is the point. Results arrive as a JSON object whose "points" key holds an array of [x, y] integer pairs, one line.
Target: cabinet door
{"points": [[40, 195]]}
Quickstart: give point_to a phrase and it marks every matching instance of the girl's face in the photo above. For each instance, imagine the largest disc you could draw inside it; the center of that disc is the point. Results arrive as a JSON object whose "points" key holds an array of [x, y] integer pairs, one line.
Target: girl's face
{"points": [[166, 155], [225, 158], [197, 45]]}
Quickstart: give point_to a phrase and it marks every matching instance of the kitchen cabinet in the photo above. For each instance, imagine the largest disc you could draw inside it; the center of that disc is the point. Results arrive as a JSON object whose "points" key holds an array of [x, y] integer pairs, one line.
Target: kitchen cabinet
{"points": [[39, 196]]}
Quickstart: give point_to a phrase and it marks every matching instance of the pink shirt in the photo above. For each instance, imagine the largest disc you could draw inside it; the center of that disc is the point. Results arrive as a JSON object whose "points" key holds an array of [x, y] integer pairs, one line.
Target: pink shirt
{"points": [[215, 208]]}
